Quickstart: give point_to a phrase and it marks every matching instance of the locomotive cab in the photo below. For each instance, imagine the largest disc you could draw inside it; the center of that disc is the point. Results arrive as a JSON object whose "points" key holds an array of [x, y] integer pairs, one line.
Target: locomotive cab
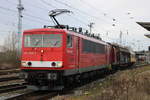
{"points": [[42, 58], [42, 49]]}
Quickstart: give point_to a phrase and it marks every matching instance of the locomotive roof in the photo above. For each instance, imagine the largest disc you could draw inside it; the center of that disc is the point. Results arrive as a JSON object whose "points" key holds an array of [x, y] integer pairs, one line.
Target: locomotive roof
{"points": [[86, 37], [66, 31], [45, 29]]}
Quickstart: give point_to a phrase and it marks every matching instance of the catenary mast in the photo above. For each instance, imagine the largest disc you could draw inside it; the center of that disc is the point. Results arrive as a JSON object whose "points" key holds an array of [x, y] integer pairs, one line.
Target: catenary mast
{"points": [[20, 16]]}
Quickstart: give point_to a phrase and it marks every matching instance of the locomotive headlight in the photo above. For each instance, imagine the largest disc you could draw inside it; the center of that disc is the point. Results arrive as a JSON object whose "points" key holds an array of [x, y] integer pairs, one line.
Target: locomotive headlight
{"points": [[23, 64], [59, 64], [26, 64]]}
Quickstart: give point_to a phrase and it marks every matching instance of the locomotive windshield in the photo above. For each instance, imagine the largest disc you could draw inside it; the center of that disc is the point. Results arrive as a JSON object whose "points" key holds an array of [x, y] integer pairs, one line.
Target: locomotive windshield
{"points": [[43, 40]]}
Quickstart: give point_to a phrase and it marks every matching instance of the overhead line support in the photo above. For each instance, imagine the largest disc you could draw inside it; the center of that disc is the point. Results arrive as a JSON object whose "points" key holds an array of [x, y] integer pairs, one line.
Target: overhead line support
{"points": [[20, 9]]}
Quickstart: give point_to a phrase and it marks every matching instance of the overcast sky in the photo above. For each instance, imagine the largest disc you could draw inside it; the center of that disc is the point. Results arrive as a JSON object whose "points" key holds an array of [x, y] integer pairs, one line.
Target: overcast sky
{"points": [[102, 12]]}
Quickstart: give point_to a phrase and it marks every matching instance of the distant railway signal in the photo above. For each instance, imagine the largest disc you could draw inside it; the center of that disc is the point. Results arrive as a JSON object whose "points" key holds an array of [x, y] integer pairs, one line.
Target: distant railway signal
{"points": [[91, 26]]}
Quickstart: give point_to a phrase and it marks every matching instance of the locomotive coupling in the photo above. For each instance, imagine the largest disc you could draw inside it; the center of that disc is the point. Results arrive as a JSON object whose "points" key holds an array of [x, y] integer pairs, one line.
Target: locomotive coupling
{"points": [[52, 76]]}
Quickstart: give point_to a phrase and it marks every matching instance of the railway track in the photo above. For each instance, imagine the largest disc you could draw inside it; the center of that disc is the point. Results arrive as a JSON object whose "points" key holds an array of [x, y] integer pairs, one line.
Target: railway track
{"points": [[9, 71], [34, 95], [9, 77], [13, 87], [37, 95], [10, 81]]}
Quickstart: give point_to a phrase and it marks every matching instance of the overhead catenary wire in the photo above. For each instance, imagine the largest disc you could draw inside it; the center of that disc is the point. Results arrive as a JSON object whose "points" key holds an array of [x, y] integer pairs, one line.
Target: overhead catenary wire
{"points": [[10, 1], [98, 10], [69, 15], [29, 15], [106, 15], [84, 23], [113, 19], [36, 17], [49, 4], [32, 5], [36, 6], [33, 20], [8, 9], [84, 13], [81, 11], [26, 14], [13, 24], [57, 0], [77, 19]]}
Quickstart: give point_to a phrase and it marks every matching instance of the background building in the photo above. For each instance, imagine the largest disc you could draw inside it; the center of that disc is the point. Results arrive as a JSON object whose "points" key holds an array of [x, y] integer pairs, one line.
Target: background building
{"points": [[146, 54], [145, 25]]}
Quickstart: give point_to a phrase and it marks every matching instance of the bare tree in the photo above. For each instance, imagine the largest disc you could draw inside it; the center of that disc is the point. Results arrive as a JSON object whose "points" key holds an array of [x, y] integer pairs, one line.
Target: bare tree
{"points": [[11, 42], [9, 54]]}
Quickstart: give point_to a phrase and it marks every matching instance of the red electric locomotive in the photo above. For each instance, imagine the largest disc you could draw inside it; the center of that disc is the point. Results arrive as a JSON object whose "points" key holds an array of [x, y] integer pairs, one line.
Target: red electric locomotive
{"points": [[51, 55]]}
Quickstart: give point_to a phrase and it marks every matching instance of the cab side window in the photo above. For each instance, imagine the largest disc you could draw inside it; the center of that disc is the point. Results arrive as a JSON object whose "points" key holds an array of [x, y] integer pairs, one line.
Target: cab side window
{"points": [[69, 41]]}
